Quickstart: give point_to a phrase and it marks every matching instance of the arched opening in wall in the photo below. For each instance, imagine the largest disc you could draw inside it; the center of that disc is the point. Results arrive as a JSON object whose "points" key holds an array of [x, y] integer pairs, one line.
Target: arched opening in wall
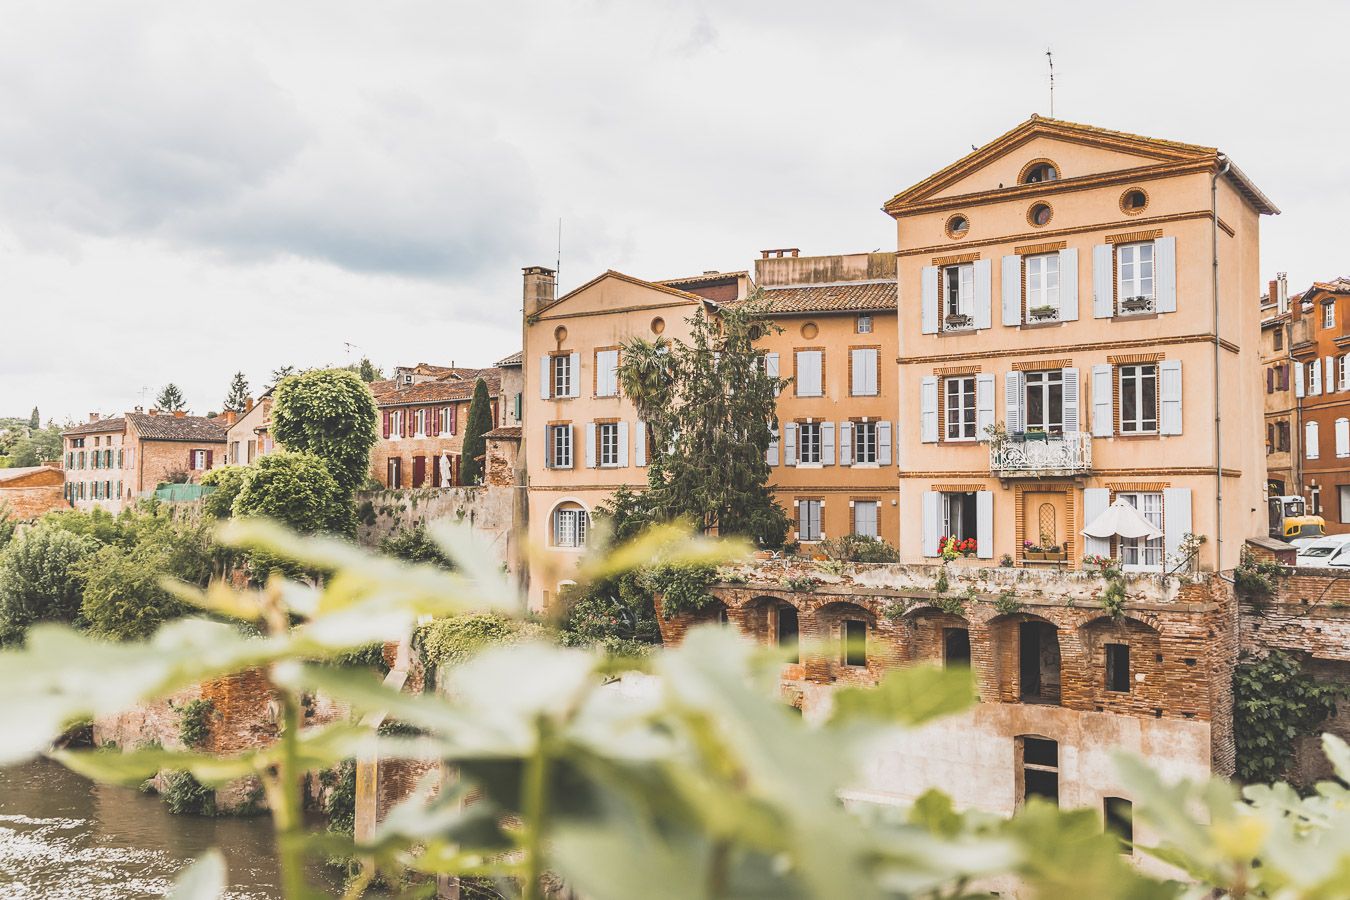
{"points": [[1118, 819], [714, 613], [786, 631], [1125, 660], [955, 647], [1038, 661], [1037, 768], [848, 628], [568, 525]]}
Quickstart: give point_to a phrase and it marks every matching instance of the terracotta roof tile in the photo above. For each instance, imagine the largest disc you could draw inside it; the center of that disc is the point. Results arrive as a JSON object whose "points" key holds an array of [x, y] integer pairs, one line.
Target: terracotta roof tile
{"points": [[507, 432], [24, 471], [445, 388], [117, 423], [859, 296], [168, 427], [515, 359]]}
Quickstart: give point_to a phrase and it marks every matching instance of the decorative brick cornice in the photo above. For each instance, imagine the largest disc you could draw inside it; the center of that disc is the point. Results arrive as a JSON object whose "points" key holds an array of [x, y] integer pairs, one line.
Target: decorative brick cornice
{"points": [[1038, 364], [1031, 249], [957, 370], [1130, 359], [955, 260], [1126, 486], [1129, 237]]}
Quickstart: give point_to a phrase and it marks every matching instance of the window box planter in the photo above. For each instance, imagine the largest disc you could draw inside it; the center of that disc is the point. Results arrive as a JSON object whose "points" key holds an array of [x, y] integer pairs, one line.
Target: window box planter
{"points": [[1033, 554], [1136, 304], [955, 321], [1043, 313], [1054, 555]]}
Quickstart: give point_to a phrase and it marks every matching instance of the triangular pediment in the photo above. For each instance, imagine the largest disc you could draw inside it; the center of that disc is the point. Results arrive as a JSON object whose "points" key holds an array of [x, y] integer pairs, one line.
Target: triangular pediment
{"points": [[1077, 151], [614, 291]]}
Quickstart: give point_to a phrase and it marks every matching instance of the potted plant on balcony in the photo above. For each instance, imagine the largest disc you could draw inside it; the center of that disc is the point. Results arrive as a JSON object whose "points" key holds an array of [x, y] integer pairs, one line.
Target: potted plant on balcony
{"points": [[1137, 304], [1035, 434], [1032, 551], [1043, 313], [958, 320], [1054, 552]]}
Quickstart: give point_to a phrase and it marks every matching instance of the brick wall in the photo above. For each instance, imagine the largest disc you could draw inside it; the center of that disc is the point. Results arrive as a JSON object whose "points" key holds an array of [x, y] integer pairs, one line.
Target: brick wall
{"points": [[25, 503], [157, 461]]}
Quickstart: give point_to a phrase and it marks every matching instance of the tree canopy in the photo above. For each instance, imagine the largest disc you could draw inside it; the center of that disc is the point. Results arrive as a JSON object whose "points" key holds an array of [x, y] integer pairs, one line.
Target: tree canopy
{"points": [[170, 398], [237, 398], [332, 414], [478, 424], [294, 488]]}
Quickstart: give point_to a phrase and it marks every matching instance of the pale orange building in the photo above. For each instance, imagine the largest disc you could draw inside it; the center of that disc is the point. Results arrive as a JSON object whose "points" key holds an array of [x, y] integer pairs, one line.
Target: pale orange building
{"points": [[110, 462], [1079, 325]]}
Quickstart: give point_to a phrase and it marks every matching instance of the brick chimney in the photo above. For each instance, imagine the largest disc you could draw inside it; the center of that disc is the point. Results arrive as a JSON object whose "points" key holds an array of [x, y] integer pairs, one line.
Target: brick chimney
{"points": [[178, 413], [154, 410], [94, 417], [248, 404], [541, 288], [230, 418]]}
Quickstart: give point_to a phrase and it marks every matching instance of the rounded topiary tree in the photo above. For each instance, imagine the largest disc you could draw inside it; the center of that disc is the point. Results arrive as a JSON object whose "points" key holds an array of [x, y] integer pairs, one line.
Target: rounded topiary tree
{"points": [[295, 489], [228, 481], [330, 413], [479, 423], [40, 577]]}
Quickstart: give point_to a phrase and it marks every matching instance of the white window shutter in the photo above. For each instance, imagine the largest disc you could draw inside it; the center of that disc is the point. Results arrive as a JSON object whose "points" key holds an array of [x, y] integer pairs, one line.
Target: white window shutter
{"points": [[1068, 284], [771, 454], [873, 368], [984, 524], [857, 360], [771, 368], [984, 405], [1176, 523], [1169, 388], [575, 368], [845, 443], [808, 373], [1165, 274], [571, 447], [827, 443], [1095, 502], [1310, 450], [545, 374], [1314, 379], [1012, 290], [1012, 395], [1342, 438], [984, 293], [928, 409], [623, 445], [1071, 396], [1331, 373], [928, 300], [590, 445], [1103, 282], [1343, 372], [640, 443], [1102, 414], [884, 443], [790, 444], [932, 522], [1298, 379]]}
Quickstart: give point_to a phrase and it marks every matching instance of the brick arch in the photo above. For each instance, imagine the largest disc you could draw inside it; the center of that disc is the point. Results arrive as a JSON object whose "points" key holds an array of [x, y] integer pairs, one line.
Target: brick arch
{"points": [[1003, 634], [1090, 689]]}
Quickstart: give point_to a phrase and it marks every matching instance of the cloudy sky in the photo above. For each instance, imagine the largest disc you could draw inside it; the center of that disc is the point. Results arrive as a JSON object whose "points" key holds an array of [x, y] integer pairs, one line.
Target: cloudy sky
{"points": [[188, 189]]}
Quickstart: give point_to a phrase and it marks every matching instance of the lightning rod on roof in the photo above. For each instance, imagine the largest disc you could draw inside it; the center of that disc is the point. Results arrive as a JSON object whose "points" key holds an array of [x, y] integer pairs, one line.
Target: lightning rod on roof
{"points": [[1050, 58], [557, 267]]}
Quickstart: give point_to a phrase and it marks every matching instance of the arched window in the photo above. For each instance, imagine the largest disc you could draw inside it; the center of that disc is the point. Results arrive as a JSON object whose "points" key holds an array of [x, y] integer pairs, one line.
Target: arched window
{"points": [[570, 524], [1039, 172]]}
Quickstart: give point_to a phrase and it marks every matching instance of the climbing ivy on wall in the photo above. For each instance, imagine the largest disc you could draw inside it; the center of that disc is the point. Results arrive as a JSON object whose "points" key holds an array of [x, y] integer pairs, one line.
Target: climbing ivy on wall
{"points": [[1274, 702]]}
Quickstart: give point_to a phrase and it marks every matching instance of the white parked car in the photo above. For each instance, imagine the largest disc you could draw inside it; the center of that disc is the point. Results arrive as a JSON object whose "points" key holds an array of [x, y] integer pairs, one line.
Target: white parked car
{"points": [[1332, 550]]}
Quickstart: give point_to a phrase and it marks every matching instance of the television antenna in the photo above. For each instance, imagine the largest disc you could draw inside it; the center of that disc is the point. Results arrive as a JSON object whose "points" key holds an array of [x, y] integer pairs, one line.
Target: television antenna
{"points": [[1050, 58], [350, 347]]}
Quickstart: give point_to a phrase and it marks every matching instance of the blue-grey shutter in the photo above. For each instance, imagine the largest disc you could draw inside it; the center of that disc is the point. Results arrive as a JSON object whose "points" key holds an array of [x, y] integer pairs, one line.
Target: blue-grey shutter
{"points": [[575, 368], [1169, 388], [1103, 424], [984, 293], [845, 443], [1012, 395], [827, 443], [932, 522], [1165, 274], [640, 444], [1095, 502], [790, 444], [1071, 393], [545, 389], [1068, 285], [1176, 523], [571, 447], [984, 524], [623, 445], [984, 405], [928, 300], [590, 445], [928, 409], [884, 443], [1103, 282], [1012, 290]]}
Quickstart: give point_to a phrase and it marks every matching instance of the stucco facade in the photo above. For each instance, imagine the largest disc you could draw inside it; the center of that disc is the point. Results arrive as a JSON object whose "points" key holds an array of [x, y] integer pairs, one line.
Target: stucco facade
{"points": [[1320, 350], [250, 434], [109, 462], [1068, 274]]}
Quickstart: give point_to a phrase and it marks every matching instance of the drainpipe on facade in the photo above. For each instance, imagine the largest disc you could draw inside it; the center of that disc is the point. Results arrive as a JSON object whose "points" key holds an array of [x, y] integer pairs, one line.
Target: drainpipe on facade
{"points": [[1218, 380]]}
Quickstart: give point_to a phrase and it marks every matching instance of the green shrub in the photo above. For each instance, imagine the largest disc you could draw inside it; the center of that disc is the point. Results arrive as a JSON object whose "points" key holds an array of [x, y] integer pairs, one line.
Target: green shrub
{"points": [[340, 803], [123, 597], [370, 656], [413, 545], [860, 548], [1254, 579], [1274, 702], [186, 796], [294, 489], [41, 578], [194, 722], [452, 640], [228, 481], [682, 588], [7, 524], [331, 414]]}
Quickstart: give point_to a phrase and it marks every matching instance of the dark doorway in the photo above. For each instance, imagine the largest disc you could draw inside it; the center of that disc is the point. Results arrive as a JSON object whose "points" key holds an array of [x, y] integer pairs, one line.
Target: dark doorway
{"points": [[787, 631], [1039, 662], [1040, 769], [955, 647], [1118, 667], [855, 643], [1118, 815]]}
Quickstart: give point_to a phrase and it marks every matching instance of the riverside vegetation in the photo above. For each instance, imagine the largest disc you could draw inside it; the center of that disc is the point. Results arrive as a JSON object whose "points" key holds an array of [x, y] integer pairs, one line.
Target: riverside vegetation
{"points": [[701, 784]]}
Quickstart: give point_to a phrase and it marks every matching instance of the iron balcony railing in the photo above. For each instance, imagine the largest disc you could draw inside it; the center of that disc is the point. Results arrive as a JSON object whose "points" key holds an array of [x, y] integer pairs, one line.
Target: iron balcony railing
{"points": [[1035, 455]]}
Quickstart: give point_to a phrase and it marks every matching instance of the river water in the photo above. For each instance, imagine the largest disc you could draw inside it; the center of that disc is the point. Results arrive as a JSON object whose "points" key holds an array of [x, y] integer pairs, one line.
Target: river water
{"points": [[63, 837]]}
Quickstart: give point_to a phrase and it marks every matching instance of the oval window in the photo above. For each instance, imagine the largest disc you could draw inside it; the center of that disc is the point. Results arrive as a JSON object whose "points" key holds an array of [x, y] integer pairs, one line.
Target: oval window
{"points": [[1040, 214], [810, 330], [958, 226], [560, 334], [658, 325], [1133, 200]]}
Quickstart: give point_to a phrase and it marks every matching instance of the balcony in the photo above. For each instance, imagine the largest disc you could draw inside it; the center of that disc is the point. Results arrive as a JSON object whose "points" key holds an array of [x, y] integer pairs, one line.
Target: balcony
{"points": [[1040, 455]]}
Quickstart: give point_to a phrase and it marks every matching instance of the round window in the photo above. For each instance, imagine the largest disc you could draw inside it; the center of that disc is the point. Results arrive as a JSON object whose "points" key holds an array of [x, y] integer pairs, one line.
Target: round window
{"points": [[958, 226], [1040, 214], [658, 325], [809, 330], [560, 334], [1039, 172], [1133, 201]]}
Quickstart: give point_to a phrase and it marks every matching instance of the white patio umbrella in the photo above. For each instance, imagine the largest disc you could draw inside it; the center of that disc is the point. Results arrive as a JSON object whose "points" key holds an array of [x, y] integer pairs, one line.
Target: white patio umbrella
{"points": [[1122, 519]]}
